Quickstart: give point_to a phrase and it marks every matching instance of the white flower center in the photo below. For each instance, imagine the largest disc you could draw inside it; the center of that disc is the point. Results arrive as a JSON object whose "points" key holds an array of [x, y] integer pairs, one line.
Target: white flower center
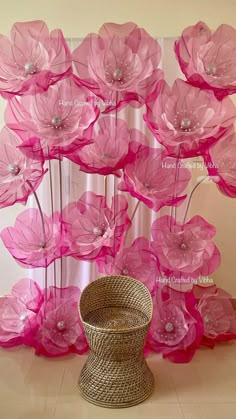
{"points": [[61, 325], [125, 271], [56, 122], [22, 317], [13, 169], [30, 68], [117, 74], [211, 70], [169, 327], [97, 231], [183, 246], [185, 123]]}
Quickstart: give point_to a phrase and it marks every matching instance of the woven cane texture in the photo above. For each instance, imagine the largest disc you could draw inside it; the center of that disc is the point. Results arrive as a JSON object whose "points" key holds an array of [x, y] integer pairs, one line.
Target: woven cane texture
{"points": [[116, 312]]}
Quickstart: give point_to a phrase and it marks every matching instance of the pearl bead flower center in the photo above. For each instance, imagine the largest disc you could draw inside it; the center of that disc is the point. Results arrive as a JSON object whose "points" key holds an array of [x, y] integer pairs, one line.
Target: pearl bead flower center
{"points": [[183, 246], [97, 231], [117, 74], [30, 68], [56, 122], [61, 325], [13, 169], [169, 327]]}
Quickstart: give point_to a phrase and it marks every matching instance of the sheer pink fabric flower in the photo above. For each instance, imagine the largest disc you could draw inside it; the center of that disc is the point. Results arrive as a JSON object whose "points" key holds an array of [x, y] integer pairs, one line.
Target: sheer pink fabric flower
{"points": [[93, 229], [61, 117], [221, 164], [32, 59], [177, 328], [110, 150], [31, 244], [136, 261], [19, 175], [60, 330], [209, 60], [151, 178], [185, 250], [219, 318], [119, 64], [186, 119], [18, 313]]}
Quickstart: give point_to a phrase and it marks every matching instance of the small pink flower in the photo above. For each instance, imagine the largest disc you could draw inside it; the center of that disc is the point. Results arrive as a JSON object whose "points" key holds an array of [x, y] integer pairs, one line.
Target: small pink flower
{"points": [[218, 314], [185, 250], [136, 261], [110, 150], [119, 64], [19, 175], [18, 313], [186, 119], [61, 117], [207, 59], [60, 330], [93, 229], [151, 178], [221, 164], [176, 329], [31, 244], [32, 59]]}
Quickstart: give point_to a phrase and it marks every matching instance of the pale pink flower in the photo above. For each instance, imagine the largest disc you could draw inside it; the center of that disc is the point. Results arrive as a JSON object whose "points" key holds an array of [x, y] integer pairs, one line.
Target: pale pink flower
{"points": [[207, 59], [176, 329], [219, 318], [119, 64], [186, 119], [31, 244], [185, 250], [136, 261], [109, 151], [32, 59], [62, 116], [60, 329], [19, 176], [18, 313], [221, 164], [152, 178], [92, 228]]}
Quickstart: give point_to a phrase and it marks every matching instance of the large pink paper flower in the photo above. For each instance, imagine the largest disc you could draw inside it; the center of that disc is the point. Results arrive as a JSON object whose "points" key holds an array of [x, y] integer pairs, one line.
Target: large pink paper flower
{"points": [[32, 59], [31, 243], [136, 261], [177, 328], [185, 250], [186, 119], [19, 175], [18, 314], [218, 314], [60, 330], [209, 60], [62, 117], [221, 164], [92, 228], [152, 178], [119, 64], [109, 151]]}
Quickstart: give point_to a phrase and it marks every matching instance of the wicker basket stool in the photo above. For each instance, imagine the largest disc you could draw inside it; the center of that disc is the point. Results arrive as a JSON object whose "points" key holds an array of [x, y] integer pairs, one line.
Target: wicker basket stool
{"points": [[116, 312]]}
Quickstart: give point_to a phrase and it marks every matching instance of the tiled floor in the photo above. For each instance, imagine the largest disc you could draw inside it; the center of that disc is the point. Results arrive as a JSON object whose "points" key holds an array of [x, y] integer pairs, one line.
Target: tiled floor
{"points": [[38, 388]]}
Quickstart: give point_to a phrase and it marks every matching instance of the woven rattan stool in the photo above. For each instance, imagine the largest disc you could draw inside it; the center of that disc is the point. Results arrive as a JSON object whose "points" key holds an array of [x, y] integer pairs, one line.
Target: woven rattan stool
{"points": [[116, 312]]}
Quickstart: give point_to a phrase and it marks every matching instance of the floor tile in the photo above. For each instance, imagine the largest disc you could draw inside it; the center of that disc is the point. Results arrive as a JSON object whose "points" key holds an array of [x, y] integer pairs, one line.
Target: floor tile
{"points": [[25, 411], [85, 410], [209, 410]]}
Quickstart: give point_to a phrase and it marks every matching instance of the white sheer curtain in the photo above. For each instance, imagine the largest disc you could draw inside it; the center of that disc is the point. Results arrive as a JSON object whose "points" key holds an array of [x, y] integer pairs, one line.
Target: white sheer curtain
{"points": [[74, 183]]}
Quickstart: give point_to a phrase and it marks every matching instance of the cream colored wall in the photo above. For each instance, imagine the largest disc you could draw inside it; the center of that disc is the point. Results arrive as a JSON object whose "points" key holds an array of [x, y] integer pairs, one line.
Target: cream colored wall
{"points": [[160, 18]]}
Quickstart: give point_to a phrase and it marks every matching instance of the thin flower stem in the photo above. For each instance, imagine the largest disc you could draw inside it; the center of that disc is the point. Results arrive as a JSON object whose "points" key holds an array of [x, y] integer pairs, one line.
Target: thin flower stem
{"points": [[173, 212], [135, 210], [190, 197], [60, 196], [52, 209], [106, 186]]}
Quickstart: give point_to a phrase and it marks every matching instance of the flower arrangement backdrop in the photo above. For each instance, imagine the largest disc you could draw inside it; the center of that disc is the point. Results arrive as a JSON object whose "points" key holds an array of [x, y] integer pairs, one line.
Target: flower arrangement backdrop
{"points": [[99, 142]]}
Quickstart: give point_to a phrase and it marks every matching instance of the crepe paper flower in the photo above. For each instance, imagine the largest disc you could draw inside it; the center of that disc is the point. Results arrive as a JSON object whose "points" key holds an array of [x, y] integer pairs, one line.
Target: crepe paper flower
{"points": [[61, 116], [185, 250], [110, 150], [31, 243], [177, 327], [19, 175], [219, 318], [92, 229], [119, 64], [187, 120], [32, 59], [18, 314], [136, 261], [221, 165], [207, 59], [60, 329], [152, 178]]}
